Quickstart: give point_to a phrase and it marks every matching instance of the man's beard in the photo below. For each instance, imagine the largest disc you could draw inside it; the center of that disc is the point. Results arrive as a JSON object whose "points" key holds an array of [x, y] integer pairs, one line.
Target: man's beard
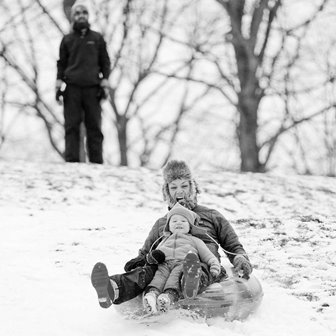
{"points": [[80, 25]]}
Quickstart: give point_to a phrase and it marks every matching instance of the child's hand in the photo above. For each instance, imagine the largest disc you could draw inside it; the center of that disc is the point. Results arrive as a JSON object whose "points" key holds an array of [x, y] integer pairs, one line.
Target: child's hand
{"points": [[215, 269], [155, 257]]}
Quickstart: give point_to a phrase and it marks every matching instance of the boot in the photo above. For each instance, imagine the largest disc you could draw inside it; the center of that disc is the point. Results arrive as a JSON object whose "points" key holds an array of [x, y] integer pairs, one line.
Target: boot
{"points": [[166, 299], [105, 287], [191, 275], [149, 302], [163, 302]]}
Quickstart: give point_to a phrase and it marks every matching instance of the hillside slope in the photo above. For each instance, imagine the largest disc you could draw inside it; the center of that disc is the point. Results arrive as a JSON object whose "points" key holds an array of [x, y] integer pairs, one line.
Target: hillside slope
{"points": [[59, 219]]}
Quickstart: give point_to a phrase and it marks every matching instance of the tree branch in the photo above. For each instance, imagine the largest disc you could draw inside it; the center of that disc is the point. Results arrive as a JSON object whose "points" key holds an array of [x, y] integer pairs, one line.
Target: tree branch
{"points": [[283, 129]]}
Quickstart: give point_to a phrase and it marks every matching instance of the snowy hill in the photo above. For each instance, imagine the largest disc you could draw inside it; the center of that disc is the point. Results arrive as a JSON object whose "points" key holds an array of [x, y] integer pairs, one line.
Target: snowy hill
{"points": [[57, 220]]}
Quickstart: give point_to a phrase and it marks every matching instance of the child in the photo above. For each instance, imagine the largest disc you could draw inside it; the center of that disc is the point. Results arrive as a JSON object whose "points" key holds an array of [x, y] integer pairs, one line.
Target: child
{"points": [[179, 242]]}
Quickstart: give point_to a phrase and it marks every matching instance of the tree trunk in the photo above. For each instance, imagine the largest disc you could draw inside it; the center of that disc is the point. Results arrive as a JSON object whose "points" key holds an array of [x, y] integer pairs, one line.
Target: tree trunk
{"points": [[67, 4], [246, 43], [248, 104], [122, 139], [247, 135]]}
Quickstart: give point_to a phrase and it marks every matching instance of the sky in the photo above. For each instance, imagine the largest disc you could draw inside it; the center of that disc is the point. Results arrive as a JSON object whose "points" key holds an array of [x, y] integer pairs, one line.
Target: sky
{"points": [[57, 220]]}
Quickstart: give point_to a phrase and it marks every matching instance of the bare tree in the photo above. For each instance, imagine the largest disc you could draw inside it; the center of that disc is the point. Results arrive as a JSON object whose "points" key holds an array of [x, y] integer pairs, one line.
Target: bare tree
{"points": [[136, 34], [252, 52], [257, 67], [136, 51], [20, 55], [171, 57]]}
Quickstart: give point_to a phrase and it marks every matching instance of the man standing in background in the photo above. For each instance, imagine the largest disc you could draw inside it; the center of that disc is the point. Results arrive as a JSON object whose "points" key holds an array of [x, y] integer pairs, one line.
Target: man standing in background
{"points": [[84, 66]]}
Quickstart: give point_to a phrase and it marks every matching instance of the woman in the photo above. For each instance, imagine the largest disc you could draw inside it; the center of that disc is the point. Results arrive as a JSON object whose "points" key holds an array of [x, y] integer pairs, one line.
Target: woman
{"points": [[179, 186]]}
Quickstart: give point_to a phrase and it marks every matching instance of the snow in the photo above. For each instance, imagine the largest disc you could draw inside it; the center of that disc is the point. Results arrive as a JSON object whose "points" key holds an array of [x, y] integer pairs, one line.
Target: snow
{"points": [[58, 220]]}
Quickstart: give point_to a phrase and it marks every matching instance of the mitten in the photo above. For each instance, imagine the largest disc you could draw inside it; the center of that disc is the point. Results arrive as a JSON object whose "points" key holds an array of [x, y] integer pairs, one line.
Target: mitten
{"points": [[155, 257], [135, 262], [241, 264], [215, 268]]}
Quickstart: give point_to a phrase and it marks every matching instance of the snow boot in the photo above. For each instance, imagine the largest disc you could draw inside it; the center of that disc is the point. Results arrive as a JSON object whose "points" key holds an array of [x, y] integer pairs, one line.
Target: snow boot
{"points": [[163, 302], [149, 302], [191, 275], [102, 284], [166, 299]]}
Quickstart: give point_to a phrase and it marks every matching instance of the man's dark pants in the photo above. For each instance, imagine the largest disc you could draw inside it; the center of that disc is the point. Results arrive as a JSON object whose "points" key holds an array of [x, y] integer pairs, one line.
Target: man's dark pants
{"points": [[134, 282], [82, 104]]}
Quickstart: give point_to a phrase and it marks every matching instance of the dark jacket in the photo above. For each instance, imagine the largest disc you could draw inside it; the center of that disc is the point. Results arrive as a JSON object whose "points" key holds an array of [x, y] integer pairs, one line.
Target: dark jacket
{"points": [[217, 227], [83, 59]]}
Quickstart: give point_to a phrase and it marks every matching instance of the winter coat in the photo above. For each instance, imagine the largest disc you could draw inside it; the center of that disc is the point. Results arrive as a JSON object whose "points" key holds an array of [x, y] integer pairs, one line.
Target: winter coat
{"points": [[177, 245], [219, 231], [83, 59]]}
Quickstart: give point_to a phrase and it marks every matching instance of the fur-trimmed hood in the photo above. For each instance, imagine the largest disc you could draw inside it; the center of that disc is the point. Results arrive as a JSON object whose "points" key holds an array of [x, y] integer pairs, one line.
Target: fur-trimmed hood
{"points": [[175, 170]]}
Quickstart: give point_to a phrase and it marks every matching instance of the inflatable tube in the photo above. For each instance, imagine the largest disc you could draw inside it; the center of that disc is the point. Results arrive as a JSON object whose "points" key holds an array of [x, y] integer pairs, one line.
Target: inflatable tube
{"points": [[233, 299]]}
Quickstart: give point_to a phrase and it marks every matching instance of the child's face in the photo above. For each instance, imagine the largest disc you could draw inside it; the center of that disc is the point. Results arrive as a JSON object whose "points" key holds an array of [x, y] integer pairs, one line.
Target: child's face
{"points": [[178, 223]]}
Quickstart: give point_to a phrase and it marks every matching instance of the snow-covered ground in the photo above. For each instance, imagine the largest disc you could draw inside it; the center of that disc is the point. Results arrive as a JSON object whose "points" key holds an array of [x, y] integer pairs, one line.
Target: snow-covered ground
{"points": [[58, 220]]}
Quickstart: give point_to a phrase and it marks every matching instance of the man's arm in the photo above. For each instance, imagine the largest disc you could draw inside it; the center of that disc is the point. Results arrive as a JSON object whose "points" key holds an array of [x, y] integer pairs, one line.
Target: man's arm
{"points": [[104, 59], [141, 259], [227, 237], [62, 62], [152, 237], [61, 66]]}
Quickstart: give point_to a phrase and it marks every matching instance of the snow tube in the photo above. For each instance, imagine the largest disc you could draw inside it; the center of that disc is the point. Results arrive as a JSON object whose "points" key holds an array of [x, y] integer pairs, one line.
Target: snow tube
{"points": [[234, 298]]}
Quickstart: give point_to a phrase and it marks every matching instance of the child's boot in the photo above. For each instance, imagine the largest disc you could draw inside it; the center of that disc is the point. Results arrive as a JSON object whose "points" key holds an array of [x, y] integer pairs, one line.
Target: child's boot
{"points": [[166, 299], [191, 275], [149, 302]]}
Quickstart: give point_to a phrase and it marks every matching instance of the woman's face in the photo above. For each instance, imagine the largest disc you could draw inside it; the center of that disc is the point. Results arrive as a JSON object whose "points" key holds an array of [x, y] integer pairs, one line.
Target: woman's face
{"points": [[179, 190]]}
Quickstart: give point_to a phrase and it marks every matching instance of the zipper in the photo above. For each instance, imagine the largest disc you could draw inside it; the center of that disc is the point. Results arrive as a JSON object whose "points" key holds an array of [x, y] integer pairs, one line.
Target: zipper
{"points": [[175, 239]]}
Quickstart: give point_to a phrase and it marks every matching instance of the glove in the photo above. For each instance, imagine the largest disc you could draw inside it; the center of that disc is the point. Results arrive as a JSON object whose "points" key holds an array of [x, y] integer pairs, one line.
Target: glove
{"points": [[241, 264], [59, 92], [215, 269], [102, 93], [155, 257], [135, 262]]}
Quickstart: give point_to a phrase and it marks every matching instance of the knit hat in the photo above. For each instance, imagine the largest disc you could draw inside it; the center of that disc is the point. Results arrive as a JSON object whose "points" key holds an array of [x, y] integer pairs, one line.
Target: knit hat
{"points": [[175, 170], [179, 209], [192, 218], [79, 3]]}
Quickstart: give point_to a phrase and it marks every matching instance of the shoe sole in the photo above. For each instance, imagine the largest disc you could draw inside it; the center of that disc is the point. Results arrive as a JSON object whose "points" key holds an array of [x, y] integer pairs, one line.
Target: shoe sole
{"points": [[191, 273], [100, 281]]}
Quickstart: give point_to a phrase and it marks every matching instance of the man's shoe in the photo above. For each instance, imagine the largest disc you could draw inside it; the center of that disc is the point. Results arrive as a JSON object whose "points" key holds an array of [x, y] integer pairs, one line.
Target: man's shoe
{"points": [[101, 283], [191, 275]]}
